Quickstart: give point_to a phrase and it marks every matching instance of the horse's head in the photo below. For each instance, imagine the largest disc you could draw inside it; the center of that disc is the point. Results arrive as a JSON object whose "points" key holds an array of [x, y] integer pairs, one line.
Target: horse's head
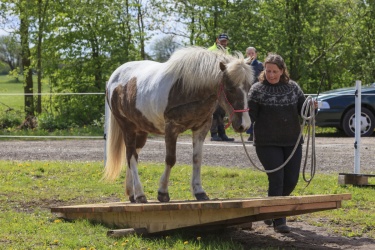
{"points": [[233, 90]]}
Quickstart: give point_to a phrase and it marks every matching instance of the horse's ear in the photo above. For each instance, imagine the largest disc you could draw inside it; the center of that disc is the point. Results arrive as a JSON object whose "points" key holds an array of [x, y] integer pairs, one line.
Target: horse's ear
{"points": [[222, 66]]}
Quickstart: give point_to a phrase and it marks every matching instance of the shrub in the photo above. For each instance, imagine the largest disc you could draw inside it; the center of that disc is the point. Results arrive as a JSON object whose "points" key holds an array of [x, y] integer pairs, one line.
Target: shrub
{"points": [[10, 119], [51, 123]]}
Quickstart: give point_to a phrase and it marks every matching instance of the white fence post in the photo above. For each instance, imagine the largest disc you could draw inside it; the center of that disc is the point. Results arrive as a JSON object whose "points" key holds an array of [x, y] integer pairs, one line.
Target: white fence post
{"points": [[357, 143]]}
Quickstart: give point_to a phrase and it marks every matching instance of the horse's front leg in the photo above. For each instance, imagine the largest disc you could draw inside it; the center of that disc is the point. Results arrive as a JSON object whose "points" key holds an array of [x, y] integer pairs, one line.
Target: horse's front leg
{"points": [[196, 183], [170, 160]]}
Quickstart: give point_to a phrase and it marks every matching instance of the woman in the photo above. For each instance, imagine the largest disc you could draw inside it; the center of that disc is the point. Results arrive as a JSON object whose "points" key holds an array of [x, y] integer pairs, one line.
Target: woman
{"points": [[252, 60], [275, 104]]}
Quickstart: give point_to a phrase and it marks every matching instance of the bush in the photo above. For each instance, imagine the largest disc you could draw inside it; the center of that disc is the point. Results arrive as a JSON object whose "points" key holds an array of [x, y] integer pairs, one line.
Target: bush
{"points": [[78, 110], [10, 119], [51, 123]]}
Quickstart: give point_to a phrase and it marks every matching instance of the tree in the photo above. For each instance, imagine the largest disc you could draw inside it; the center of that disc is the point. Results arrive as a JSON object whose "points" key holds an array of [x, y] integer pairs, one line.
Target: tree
{"points": [[23, 9], [163, 48], [198, 21], [10, 51], [76, 44], [42, 21], [86, 42], [363, 29]]}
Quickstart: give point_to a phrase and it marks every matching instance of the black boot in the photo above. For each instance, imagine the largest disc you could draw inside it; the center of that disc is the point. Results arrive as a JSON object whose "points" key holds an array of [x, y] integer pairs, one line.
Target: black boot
{"points": [[251, 138], [215, 137], [225, 138], [280, 226]]}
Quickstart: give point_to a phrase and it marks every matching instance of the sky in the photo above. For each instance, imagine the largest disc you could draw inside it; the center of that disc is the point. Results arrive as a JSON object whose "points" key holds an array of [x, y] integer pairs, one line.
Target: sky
{"points": [[3, 33]]}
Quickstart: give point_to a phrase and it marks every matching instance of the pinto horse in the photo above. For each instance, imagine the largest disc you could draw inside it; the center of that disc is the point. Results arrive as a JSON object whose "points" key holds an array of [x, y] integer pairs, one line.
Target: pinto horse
{"points": [[168, 99]]}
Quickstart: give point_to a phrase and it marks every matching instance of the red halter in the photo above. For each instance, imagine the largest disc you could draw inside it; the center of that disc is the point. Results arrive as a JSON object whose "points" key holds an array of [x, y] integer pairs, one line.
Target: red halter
{"points": [[233, 110]]}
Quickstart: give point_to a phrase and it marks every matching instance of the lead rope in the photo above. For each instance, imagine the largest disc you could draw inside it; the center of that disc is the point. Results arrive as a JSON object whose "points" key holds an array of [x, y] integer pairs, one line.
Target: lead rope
{"points": [[307, 107]]}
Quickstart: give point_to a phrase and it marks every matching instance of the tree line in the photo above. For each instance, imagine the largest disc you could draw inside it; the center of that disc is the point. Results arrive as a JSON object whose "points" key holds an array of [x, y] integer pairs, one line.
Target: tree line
{"points": [[74, 45]]}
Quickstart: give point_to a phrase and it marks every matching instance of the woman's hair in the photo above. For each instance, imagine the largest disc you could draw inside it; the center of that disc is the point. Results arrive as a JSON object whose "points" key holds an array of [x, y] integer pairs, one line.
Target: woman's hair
{"points": [[279, 62]]}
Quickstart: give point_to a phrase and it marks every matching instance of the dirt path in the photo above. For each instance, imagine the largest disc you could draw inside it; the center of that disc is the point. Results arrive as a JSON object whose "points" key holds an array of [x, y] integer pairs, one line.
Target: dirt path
{"points": [[334, 155]]}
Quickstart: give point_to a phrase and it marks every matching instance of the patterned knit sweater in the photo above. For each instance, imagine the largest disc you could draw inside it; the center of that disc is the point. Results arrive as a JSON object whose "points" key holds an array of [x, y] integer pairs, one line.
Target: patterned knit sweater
{"points": [[275, 109]]}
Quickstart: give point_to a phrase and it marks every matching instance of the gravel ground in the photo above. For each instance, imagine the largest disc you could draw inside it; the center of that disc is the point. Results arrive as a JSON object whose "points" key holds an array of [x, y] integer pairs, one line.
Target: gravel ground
{"points": [[333, 154]]}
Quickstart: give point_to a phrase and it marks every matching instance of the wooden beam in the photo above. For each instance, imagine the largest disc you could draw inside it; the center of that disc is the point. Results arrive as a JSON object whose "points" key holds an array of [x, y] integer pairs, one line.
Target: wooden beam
{"points": [[354, 179], [117, 233]]}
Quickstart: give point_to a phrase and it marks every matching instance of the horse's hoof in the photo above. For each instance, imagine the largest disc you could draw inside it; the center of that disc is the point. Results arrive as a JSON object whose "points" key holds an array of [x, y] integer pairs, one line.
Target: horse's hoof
{"points": [[141, 199], [131, 199], [201, 197], [163, 197]]}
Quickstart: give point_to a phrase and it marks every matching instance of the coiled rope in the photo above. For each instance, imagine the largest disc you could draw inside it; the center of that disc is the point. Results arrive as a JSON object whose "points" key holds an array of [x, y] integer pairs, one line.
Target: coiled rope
{"points": [[308, 118]]}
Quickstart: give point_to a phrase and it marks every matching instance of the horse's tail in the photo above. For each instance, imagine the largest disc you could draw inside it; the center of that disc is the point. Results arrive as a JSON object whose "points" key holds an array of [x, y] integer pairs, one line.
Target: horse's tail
{"points": [[115, 152]]}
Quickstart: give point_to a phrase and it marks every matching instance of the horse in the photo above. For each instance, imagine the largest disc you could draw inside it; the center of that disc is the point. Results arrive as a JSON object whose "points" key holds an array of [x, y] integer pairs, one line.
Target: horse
{"points": [[167, 99]]}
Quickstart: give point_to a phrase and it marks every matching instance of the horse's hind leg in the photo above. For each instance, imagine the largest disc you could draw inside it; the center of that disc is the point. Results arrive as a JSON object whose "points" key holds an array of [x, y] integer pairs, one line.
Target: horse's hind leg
{"points": [[134, 143], [170, 160], [196, 183], [129, 186]]}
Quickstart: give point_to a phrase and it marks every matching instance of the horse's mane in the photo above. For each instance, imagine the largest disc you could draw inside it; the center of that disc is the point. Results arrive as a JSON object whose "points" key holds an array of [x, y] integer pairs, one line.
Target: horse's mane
{"points": [[199, 67]]}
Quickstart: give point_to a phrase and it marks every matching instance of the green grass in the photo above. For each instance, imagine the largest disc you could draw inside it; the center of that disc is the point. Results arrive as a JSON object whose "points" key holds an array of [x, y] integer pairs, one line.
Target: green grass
{"points": [[29, 189], [9, 86], [34, 133]]}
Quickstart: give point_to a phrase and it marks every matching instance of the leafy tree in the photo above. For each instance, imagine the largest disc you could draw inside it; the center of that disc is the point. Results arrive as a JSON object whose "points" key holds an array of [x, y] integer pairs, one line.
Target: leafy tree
{"points": [[363, 30], [88, 40], [4, 69], [10, 51], [42, 19], [75, 45], [25, 12], [23, 8], [163, 48], [191, 20]]}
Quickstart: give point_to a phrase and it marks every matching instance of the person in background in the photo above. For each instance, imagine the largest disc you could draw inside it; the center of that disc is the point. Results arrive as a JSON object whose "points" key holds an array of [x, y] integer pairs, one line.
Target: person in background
{"points": [[252, 60], [221, 43], [217, 128], [275, 104]]}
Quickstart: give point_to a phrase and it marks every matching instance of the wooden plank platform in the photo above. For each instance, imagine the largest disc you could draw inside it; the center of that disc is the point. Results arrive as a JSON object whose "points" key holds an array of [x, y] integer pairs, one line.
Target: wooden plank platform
{"points": [[155, 217], [355, 179]]}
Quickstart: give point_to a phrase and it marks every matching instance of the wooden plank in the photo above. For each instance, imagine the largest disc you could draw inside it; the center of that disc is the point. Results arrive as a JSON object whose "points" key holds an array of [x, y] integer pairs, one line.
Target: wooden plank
{"points": [[160, 217], [198, 205], [237, 222], [354, 179], [156, 221], [368, 175], [274, 201], [296, 207]]}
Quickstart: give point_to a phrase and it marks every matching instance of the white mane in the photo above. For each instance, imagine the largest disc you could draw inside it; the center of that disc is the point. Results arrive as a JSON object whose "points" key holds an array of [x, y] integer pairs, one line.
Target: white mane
{"points": [[199, 67]]}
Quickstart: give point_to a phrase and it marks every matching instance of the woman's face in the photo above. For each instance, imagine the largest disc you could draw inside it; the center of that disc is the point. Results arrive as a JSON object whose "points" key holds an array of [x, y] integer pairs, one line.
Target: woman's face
{"points": [[273, 73]]}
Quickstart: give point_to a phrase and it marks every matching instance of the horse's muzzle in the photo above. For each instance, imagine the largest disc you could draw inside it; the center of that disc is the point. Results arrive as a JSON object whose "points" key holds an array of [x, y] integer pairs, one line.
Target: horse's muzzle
{"points": [[241, 122]]}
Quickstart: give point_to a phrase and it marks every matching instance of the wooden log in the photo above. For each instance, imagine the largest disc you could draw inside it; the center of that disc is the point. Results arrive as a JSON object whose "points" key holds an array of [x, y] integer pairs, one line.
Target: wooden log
{"points": [[245, 226], [353, 179], [118, 233]]}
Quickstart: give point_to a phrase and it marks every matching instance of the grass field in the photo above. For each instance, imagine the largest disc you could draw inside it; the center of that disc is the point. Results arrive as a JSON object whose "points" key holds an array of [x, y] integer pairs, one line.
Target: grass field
{"points": [[29, 189], [9, 86]]}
